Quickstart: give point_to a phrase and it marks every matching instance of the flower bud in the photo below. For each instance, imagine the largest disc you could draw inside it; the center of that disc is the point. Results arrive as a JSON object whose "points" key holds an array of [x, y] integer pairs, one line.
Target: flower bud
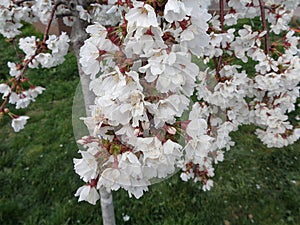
{"points": [[171, 130], [115, 149]]}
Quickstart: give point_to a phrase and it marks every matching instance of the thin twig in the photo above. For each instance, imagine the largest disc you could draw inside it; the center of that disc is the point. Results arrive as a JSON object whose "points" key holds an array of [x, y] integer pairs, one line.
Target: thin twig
{"points": [[222, 18], [21, 1], [221, 6], [265, 27], [27, 62], [64, 14], [50, 20], [17, 80], [4, 103]]}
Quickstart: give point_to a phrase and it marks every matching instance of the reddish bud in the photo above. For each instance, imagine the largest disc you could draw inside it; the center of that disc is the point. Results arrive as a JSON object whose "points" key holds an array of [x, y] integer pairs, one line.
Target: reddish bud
{"points": [[93, 182], [149, 32], [171, 130], [102, 52], [183, 24]]}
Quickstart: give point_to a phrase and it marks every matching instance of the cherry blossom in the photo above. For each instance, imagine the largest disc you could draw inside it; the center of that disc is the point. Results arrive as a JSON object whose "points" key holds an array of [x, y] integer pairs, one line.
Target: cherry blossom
{"points": [[19, 122], [5, 90], [169, 82], [88, 193], [141, 15]]}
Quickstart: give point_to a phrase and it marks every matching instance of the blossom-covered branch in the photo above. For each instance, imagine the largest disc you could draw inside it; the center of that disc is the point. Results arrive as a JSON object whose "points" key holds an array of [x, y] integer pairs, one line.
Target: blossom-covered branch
{"points": [[14, 91], [156, 110]]}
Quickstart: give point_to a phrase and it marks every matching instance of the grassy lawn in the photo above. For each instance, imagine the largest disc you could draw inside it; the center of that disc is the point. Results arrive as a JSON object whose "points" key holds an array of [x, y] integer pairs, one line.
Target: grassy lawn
{"points": [[254, 185]]}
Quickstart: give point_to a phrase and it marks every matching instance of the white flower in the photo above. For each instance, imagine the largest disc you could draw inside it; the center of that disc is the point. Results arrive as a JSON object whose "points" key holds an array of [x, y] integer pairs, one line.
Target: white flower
{"points": [[175, 11], [59, 48], [96, 49], [87, 166], [28, 46], [112, 179], [13, 70], [196, 128], [83, 14], [141, 15], [23, 100], [158, 159], [194, 37], [266, 65], [208, 184], [42, 9], [131, 164], [35, 91], [19, 123], [230, 19], [126, 218], [5, 90], [185, 177], [219, 156], [96, 30], [166, 110], [88, 193], [145, 44]]}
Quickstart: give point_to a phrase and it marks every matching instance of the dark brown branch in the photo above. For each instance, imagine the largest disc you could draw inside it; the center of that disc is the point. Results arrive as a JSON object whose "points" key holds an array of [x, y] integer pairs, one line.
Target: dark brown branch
{"points": [[21, 1], [222, 18], [221, 5], [4, 103], [50, 20], [265, 27], [64, 15]]}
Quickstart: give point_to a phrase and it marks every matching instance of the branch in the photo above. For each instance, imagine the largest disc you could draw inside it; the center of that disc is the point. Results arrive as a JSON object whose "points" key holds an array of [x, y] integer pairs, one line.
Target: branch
{"points": [[51, 19], [4, 103], [21, 1], [220, 59], [221, 5], [17, 80], [264, 23], [38, 50], [64, 15]]}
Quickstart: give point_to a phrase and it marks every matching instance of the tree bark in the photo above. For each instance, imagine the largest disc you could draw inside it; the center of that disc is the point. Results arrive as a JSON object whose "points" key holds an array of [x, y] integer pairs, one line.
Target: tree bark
{"points": [[78, 36]]}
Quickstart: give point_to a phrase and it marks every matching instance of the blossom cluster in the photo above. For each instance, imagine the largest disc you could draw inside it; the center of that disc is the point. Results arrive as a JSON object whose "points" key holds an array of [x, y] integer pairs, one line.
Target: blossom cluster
{"points": [[155, 109], [18, 90], [158, 111]]}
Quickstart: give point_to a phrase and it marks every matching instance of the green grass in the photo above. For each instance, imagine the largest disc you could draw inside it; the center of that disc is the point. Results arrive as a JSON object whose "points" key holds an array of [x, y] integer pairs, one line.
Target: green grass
{"points": [[254, 185]]}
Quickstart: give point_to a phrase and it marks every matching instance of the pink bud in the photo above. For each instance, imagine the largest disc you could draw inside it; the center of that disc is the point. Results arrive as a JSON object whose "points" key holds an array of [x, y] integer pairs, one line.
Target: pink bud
{"points": [[136, 132], [171, 130]]}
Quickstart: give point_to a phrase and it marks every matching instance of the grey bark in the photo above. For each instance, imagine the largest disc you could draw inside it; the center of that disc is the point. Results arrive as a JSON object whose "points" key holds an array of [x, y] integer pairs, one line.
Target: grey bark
{"points": [[78, 36]]}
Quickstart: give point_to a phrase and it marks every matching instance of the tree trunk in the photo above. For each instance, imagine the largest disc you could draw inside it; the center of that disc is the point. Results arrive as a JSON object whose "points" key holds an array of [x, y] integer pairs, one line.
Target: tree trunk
{"points": [[78, 36]]}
